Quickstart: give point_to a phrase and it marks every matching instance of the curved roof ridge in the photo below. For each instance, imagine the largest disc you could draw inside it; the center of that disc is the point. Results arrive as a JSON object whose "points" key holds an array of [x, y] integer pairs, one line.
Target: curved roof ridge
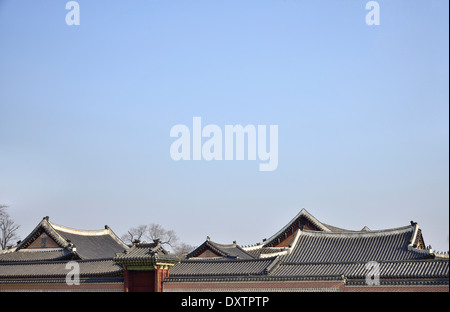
{"points": [[312, 219], [233, 245], [302, 213], [106, 231], [225, 250], [223, 245], [206, 259], [276, 248], [217, 247], [253, 247], [66, 229], [38, 250], [49, 229], [86, 244], [372, 233]]}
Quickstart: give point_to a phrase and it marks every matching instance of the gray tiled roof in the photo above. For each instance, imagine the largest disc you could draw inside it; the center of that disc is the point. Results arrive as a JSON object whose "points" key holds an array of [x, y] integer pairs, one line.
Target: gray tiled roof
{"points": [[330, 253], [322, 247], [294, 224], [43, 226], [145, 253], [93, 246], [274, 268], [62, 280], [58, 269], [233, 251], [37, 255], [222, 267], [388, 269], [97, 244]]}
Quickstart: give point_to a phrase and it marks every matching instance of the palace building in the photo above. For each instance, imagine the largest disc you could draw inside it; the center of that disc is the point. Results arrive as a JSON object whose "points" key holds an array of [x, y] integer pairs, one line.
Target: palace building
{"points": [[304, 255]]}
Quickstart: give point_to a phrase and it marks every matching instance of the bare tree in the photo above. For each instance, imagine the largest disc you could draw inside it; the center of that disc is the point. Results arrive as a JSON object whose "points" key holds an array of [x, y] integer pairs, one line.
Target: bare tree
{"points": [[8, 229], [134, 234], [3, 210], [155, 232], [182, 249]]}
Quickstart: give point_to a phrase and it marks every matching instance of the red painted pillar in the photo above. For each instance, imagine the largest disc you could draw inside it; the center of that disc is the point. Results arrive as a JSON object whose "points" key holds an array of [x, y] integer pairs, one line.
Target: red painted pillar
{"points": [[126, 280], [161, 272], [157, 279]]}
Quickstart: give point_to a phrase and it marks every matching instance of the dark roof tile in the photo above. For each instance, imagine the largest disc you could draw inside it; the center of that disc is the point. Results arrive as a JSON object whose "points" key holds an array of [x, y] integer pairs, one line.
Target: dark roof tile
{"points": [[386, 245], [37, 255], [142, 253], [388, 269], [233, 251], [58, 269], [221, 267]]}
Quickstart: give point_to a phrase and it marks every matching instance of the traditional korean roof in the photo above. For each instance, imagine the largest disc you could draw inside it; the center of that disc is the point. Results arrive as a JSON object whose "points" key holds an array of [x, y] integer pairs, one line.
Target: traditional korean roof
{"points": [[304, 249], [432, 278], [317, 251], [275, 269], [37, 255], [303, 220], [58, 269], [231, 251], [87, 244], [409, 269], [223, 267], [145, 254], [384, 245]]}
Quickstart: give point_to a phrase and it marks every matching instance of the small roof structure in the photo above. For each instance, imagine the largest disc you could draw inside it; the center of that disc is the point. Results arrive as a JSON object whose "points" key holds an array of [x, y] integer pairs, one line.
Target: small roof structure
{"points": [[146, 254], [219, 251], [223, 267], [303, 220]]}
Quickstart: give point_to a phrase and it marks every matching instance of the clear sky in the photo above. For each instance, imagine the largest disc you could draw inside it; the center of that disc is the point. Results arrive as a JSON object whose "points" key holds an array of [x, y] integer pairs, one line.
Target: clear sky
{"points": [[362, 112]]}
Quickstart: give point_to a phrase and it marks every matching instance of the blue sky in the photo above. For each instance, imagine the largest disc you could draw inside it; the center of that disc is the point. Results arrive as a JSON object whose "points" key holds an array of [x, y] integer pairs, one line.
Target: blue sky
{"points": [[362, 111]]}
